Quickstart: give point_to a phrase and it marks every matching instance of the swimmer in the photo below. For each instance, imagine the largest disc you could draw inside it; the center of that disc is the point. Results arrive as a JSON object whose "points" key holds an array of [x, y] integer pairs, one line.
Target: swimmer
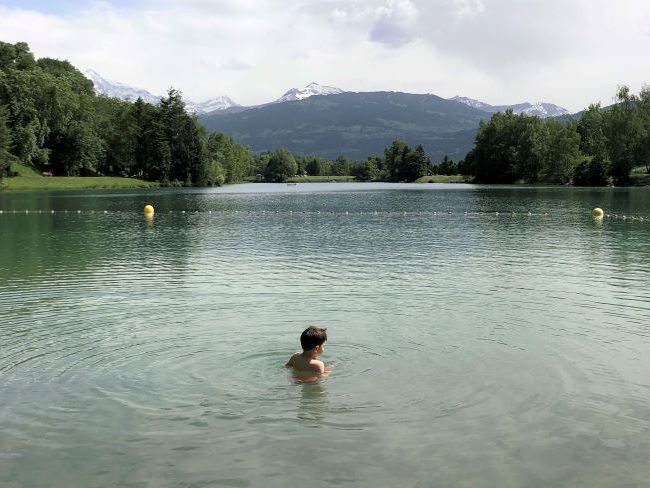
{"points": [[306, 363]]}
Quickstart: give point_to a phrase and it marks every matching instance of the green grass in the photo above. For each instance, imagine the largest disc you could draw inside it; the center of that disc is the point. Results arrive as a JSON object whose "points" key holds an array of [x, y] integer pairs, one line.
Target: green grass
{"points": [[23, 170], [444, 179], [320, 179], [28, 179]]}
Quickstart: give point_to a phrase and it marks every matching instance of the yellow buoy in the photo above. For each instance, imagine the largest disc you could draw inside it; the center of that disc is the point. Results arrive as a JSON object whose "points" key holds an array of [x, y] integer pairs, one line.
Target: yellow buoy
{"points": [[148, 210], [598, 212]]}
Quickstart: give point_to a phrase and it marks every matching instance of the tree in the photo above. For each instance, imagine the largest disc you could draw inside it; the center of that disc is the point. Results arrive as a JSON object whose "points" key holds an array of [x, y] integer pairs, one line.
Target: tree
{"points": [[414, 164], [494, 157], [340, 166], [590, 173], [394, 160], [365, 170], [5, 143], [560, 153], [315, 166], [592, 135], [625, 133], [281, 166]]}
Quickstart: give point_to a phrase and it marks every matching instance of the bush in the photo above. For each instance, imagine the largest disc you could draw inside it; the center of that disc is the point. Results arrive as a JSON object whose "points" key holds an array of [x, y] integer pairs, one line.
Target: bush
{"points": [[591, 173]]}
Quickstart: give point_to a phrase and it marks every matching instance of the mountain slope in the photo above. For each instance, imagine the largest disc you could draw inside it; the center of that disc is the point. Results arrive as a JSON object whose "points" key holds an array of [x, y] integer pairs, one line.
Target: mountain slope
{"points": [[309, 91], [355, 125], [541, 109], [119, 90]]}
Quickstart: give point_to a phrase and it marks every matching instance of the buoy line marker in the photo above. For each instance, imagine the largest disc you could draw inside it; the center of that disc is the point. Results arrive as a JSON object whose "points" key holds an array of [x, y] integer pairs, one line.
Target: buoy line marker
{"points": [[148, 211]]}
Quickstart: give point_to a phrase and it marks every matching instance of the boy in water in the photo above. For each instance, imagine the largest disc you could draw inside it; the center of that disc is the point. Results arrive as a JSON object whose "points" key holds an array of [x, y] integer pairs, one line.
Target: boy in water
{"points": [[312, 341]]}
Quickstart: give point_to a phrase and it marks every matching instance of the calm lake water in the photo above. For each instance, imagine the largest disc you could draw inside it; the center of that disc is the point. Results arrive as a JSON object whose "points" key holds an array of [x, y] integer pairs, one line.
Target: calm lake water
{"points": [[471, 349]]}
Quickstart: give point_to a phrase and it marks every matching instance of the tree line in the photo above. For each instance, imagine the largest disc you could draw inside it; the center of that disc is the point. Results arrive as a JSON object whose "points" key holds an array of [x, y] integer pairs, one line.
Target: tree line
{"points": [[51, 120], [602, 143]]}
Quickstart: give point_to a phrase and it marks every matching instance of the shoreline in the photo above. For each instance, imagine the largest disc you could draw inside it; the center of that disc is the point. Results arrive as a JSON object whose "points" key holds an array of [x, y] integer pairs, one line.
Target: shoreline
{"points": [[29, 180]]}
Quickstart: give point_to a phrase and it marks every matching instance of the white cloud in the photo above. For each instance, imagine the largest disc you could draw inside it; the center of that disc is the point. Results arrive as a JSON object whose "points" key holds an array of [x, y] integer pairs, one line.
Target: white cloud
{"points": [[467, 8], [395, 24], [570, 52]]}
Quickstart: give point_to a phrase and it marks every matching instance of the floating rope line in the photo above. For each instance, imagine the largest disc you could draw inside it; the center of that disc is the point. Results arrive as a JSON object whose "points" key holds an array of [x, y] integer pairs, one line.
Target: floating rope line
{"points": [[384, 213]]}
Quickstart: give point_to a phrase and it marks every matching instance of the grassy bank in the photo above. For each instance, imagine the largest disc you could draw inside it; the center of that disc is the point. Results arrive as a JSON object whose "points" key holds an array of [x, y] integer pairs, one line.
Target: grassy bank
{"points": [[28, 179], [444, 179], [320, 179]]}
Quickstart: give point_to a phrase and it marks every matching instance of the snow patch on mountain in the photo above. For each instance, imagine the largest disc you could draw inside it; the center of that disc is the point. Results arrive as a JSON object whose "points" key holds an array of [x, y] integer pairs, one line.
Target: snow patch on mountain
{"points": [[115, 89], [540, 109], [308, 91], [471, 102], [217, 103]]}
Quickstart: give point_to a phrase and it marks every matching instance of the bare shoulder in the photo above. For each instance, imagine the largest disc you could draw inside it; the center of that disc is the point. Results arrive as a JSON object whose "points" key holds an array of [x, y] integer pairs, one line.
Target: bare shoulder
{"points": [[317, 365], [292, 360]]}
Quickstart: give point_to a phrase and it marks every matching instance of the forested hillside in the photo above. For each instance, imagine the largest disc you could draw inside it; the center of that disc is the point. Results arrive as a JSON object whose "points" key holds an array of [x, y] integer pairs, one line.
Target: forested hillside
{"points": [[354, 125]]}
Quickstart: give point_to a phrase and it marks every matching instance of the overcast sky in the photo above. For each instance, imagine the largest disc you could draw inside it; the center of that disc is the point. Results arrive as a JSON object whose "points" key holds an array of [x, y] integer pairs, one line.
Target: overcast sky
{"points": [[568, 52]]}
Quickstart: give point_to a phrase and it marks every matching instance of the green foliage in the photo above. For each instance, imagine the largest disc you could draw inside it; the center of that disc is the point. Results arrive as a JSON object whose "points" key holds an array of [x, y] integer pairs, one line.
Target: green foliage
{"points": [[51, 120], [559, 153], [231, 161], [624, 130], [281, 166], [511, 148], [5, 144], [446, 167], [367, 170], [591, 128], [315, 166], [401, 163], [340, 166], [591, 173]]}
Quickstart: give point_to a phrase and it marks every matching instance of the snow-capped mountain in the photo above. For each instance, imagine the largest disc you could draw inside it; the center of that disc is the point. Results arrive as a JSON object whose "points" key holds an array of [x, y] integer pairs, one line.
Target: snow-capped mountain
{"points": [[472, 103], [541, 109], [308, 91], [217, 103], [544, 110], [119, 90]]}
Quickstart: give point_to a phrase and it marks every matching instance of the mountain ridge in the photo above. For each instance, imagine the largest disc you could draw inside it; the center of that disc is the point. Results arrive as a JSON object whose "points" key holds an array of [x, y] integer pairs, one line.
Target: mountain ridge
{"points": [[541, 109], [353, 124], [106, 87]]}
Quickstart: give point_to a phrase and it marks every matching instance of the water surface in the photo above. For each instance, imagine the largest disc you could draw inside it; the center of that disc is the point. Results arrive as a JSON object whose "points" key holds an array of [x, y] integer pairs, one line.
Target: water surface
{"points": [[482, 336]]}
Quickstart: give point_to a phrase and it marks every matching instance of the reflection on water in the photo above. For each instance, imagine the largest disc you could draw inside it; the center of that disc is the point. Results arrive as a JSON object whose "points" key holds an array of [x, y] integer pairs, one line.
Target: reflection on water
{"points": [[313, 402], [482, 336]]}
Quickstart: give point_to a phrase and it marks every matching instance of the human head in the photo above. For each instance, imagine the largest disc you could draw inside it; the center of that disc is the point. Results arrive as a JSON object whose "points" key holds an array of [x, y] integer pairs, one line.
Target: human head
{"points": [[312, 337]]}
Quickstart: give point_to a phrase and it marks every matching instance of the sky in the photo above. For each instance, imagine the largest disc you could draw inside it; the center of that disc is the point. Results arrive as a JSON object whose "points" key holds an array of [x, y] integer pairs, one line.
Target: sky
{"points": [[568, 52]]}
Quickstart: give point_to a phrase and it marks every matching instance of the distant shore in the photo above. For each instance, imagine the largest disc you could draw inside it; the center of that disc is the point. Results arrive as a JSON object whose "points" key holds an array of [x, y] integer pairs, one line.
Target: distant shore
{"points": [[29, 180]]}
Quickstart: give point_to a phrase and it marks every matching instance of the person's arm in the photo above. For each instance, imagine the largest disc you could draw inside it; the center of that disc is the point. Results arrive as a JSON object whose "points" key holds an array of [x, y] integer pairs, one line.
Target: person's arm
{"points": [[319, 367], [327, 370]]}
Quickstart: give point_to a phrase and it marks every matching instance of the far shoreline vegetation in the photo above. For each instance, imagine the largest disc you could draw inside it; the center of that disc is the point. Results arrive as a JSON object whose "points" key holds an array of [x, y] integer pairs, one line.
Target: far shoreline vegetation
{"points": [[55, 133]]}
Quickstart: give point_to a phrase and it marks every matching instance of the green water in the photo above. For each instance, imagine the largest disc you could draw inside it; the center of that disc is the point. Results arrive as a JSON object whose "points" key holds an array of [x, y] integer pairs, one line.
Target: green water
{"points": [[471, 349]]}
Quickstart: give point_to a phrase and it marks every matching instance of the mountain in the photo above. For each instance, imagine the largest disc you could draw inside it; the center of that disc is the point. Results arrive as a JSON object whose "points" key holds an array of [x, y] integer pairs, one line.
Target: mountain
{"points": [[119, 90], [355, 125], [308, 91], [217, 103], [540, 109]]}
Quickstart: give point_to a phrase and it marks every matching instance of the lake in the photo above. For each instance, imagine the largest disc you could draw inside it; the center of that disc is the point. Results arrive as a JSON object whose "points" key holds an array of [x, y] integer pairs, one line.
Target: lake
{"points": [[482, 337]]}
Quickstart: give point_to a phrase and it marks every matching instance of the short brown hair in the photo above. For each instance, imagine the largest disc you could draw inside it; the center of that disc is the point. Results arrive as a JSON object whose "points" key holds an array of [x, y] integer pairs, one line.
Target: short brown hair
{"points": [[312, 337]]}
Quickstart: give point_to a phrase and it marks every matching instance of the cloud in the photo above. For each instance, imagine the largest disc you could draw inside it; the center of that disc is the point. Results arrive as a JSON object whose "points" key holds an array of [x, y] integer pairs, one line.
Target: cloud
{"points": [[395, 24], [503, 51]]}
